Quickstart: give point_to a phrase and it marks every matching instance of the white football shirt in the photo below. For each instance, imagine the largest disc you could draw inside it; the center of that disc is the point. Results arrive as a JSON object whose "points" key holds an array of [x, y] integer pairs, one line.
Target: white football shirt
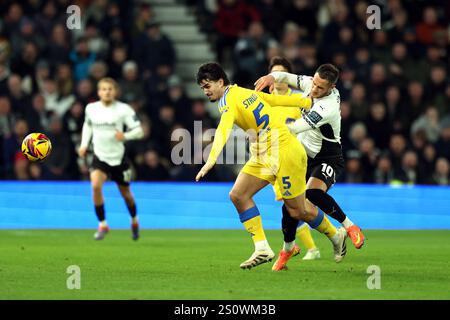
{"points": [[323, 139], [101, 124]]}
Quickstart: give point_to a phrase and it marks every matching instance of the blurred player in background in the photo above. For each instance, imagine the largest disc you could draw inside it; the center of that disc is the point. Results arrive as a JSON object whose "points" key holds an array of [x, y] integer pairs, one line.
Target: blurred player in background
{"points": [[289, 115], [106, 121], [319, 131], [276, 156]]}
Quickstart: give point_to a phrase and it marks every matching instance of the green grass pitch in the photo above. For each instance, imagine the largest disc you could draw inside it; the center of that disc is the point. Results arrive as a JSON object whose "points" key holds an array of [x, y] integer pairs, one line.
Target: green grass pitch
{"points": [[204, 264]]}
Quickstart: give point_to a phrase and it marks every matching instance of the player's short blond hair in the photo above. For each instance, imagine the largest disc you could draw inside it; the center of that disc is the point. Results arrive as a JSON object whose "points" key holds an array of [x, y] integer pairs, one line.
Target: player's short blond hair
{"points": [[108, 80]]}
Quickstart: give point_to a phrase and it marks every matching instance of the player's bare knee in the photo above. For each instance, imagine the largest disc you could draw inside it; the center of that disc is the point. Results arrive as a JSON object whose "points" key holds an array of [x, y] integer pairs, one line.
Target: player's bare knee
{"points": [[236, 198]]}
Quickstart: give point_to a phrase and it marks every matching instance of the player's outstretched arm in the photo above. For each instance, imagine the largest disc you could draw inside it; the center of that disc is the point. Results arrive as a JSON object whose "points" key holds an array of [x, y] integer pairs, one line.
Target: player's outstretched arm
{"points": [[295, 100], [298, 126], [278, 76], [222, 134]]}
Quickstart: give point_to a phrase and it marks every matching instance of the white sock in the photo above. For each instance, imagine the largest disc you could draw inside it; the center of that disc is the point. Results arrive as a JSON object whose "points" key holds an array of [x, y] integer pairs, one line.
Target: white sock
{"points": [[134, 220], [103, 223], [347, 222], [335, 238], [288, 246], [262, 245]]}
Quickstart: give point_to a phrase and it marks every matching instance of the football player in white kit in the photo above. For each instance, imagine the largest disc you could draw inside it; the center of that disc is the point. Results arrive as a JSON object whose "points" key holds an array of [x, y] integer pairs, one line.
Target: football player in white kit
{"points": [[319, 131], [105, 123]]}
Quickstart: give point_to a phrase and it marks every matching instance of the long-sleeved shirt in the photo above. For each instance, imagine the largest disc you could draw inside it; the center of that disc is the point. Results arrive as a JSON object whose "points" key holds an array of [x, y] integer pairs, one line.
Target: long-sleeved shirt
{"points": [[101, 124]]}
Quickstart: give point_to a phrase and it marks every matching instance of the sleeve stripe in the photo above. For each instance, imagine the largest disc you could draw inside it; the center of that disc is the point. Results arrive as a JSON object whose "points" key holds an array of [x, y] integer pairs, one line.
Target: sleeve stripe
{"points": [[223, 100]]}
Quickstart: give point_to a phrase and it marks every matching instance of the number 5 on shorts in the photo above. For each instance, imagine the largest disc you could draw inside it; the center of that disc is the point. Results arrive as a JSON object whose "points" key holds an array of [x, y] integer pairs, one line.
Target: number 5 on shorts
{"points": [[286, 182]]}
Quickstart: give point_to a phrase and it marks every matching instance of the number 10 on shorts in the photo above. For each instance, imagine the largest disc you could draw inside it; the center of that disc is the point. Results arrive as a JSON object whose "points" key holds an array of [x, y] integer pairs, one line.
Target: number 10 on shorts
{"points": [[328, 170]]}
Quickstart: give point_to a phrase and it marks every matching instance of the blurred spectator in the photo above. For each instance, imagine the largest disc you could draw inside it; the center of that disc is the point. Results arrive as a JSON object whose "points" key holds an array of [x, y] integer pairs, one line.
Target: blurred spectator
{"points": [[303, 13], [441, 174], [163, 129], [130, 85], [378, 47], [429, 28], [37, 116], [428, 123], [115, 63], [428, 159], [19, 100], [395, 109], [96, 41], [178, 99], [353, 170], [157, 87], [86, 92], [443, 143], [358, 102], [153, 49], [377, 83], [437, 84], [57, 165], [346, 122], [97, 70], [7, 118], [12, 149], [415, 101], [383, 173], [397, 147], [144, 16], [271, 16], [48, 19], [231, 21], [82, 58], [25, 63], [73, 123], [368, 160], [250, 55], [400, 65], [409, 172], [360, 62], [378, 125], [399, 26], [290, 41], [358, 132], [152, 169], [58, 49]]}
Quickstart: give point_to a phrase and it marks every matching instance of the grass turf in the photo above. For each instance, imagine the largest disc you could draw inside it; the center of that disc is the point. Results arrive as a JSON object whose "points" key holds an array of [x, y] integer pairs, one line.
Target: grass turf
{"points": [[204, 264]]}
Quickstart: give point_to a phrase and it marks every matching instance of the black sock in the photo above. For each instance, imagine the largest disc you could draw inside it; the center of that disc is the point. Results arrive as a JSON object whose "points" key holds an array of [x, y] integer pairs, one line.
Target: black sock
{"points": [[326, 203], [288, 225], [100, 212], [132, 209]]}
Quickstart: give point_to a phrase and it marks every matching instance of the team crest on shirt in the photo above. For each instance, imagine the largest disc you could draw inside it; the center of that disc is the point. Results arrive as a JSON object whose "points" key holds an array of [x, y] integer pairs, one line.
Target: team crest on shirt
{"points": [[223, 109]]}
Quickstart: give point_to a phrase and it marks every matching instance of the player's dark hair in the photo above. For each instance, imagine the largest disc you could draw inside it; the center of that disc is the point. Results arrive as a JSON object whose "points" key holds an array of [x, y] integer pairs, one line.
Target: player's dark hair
{"points": [[328, 72], [212, 71], [280, 61]]}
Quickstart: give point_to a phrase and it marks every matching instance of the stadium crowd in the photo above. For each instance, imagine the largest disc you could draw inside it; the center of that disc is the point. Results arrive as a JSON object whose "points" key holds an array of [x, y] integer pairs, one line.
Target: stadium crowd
{"points": [[394, 83]]}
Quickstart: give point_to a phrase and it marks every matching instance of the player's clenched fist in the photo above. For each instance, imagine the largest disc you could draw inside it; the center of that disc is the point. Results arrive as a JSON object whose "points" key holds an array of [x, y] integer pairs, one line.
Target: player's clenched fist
{"points": [[263, 82]]}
